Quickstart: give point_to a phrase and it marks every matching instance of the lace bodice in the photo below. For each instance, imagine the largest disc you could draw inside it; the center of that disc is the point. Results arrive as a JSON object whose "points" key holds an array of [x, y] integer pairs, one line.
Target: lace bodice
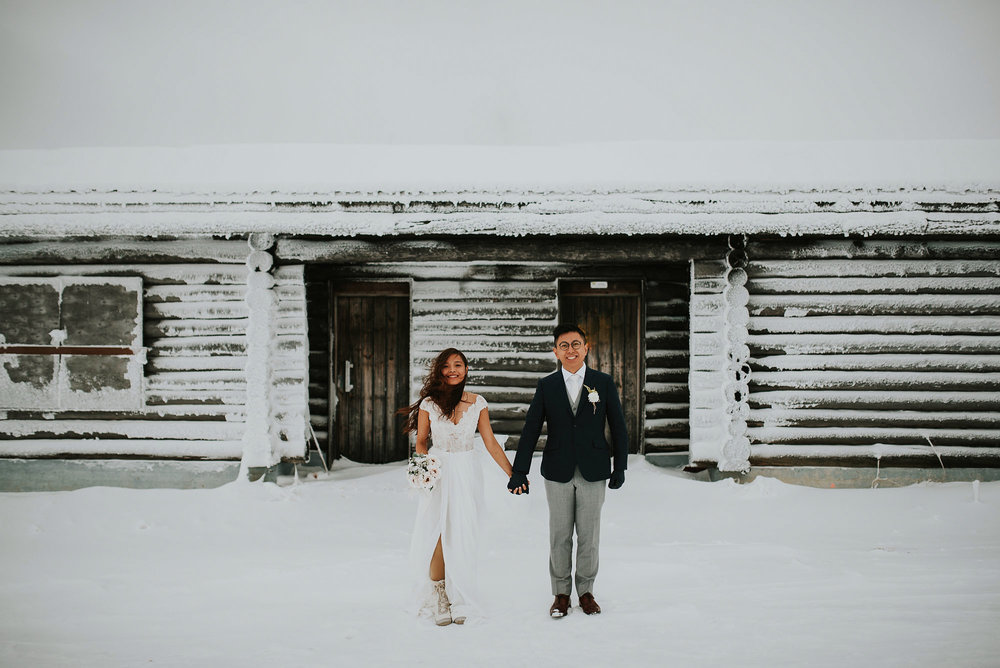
{"points": [[448, 436]]}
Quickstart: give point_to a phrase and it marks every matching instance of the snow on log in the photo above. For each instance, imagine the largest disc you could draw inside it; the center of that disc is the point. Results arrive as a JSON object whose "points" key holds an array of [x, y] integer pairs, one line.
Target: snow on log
{"points": [[871, 380], [159, 448], [865, 268], [866, 435], [798, 306], [914, 454], [924, 248], [876, 284], [805, 344], [794, 417], [208, 430], [886, 324], [897, 362]]}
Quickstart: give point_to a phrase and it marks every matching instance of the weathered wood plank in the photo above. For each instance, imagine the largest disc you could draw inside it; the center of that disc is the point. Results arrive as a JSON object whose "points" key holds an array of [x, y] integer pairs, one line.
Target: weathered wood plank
{"points": [[881, 399], [432, 342], [110, 429], [665, 427], [175, 412], [890, 362], [154, 274], [116, 249], [868, 268], [667, 445], [965, 249], [782, 417], [425, 310], [155, 399], [664, 410], [654, 375], [816, 305], [875, 284], [175, 327], [169, 449], [492, 328], [867, 455], [807, 344], [604, 250], [503, 360], [885, 324], [483, 290], [871, 435], [213, 294], [870, 380], [188, 346]]}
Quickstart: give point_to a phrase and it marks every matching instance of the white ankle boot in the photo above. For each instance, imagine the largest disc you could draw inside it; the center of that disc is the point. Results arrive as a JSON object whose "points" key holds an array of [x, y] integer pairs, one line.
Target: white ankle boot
{"points": [[442, 614]]}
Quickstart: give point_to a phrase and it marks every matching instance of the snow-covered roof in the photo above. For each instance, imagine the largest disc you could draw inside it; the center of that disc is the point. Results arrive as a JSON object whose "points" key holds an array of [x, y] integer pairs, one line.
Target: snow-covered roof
{"points": [[639, 188]]}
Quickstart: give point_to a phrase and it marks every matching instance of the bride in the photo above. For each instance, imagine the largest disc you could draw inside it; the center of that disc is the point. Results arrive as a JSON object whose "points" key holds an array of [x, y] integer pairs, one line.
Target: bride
{"points": [[443, 550]]}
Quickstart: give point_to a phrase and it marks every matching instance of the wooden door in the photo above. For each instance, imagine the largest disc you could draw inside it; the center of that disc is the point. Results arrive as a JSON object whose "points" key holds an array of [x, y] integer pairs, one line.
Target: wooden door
{"points": [[370, 372], [609, 312]]}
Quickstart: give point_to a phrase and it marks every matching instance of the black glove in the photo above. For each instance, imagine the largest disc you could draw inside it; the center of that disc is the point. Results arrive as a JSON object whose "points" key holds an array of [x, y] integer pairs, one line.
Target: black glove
{"points": [[617, 480], [518, 480]]}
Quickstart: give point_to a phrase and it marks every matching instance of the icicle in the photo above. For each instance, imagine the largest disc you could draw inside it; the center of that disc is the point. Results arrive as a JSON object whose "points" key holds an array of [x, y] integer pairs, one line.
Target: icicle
{"points": [[878, 472], [934, 450]]}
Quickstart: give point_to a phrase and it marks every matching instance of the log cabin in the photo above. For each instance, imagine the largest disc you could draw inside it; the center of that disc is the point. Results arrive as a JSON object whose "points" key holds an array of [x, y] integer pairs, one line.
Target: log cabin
{"points": [[151, 336]]}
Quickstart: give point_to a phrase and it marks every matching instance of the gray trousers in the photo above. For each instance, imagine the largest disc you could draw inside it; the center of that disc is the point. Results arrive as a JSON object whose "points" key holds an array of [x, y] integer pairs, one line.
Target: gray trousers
{"points": [[574, 505]]}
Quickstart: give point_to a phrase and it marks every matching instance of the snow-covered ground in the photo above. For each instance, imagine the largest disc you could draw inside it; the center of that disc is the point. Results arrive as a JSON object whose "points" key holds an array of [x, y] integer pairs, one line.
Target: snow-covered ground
{"points": [[314, 574]]}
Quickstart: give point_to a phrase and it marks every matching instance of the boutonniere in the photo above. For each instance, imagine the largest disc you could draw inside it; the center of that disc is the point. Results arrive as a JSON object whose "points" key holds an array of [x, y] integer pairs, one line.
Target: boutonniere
{"points": [[593, 397]]}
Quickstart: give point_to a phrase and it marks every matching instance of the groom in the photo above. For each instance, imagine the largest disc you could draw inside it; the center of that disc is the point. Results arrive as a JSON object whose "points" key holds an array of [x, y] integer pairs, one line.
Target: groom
{"points": [[576, 402]]}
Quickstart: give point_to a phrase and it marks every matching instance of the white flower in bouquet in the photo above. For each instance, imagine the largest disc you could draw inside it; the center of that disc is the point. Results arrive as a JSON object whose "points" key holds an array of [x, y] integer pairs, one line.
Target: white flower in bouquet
{"points": [[423, 471]]}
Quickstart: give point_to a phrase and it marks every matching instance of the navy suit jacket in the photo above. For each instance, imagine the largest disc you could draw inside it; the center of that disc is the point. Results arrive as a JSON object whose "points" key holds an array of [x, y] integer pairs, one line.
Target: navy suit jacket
{"points": [[574, 440]]}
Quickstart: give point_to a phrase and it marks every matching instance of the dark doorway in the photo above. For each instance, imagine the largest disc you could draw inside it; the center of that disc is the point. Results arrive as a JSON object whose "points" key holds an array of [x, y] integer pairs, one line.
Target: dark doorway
{"points": [[370, 371], [610, 312]]}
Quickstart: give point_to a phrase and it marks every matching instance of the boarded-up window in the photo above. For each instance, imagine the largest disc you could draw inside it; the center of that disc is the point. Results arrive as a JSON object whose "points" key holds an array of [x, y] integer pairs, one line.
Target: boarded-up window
{"points": [[71, 343]]}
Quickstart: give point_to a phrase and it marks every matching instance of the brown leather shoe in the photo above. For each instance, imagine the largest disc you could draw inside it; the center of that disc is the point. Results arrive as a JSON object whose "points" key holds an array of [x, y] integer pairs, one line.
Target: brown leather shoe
{"points": [[589, 605], [560, 606]]}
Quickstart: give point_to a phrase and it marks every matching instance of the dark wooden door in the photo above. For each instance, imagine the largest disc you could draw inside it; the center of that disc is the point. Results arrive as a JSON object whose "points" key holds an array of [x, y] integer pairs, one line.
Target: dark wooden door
{"points": [[370, 373], [609, 312]]}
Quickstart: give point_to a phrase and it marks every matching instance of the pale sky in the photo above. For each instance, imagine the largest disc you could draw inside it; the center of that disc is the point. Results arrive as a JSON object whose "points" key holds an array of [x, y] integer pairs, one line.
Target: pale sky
{"points": [[145, 73]]}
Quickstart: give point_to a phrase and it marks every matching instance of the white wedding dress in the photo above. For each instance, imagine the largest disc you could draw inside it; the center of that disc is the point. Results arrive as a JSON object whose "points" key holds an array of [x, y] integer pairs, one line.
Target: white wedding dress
{"points": [[453, 511]]}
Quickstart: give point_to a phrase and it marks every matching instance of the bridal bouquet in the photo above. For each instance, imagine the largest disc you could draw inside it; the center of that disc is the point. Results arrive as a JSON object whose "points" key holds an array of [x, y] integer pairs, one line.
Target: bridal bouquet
{"points": [[423, 471]]}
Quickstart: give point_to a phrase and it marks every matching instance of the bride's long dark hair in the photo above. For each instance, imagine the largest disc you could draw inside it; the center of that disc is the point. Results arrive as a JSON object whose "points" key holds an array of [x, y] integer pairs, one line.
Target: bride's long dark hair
{"points": [[447, 397]]}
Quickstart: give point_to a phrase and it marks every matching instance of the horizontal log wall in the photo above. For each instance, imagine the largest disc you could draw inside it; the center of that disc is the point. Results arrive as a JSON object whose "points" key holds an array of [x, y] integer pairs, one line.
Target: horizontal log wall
{"points": [[289, 363], [501, 316], [875, 349], [707, 358], [194, 319], [666, 355]]}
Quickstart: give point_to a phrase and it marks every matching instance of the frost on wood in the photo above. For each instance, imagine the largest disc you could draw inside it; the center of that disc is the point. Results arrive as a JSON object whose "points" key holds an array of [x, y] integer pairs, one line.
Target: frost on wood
{"points": [[874, 349], [276, 397], [736, 449], [259, 437]]}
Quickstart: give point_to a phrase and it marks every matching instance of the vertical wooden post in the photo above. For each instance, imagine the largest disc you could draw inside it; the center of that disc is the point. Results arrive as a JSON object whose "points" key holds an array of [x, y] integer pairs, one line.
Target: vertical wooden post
{"points": [[260, 435], [736, 449], [707, 356]]}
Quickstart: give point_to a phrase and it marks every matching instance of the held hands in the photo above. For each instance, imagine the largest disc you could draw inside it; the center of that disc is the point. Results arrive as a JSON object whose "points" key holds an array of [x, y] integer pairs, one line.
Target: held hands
{"points": [[617, 479], [518, 483]]}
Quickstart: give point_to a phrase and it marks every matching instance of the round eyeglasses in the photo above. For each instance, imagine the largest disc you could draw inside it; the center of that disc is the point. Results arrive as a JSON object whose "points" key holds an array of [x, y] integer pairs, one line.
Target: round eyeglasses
{"points": [[575, 345]]}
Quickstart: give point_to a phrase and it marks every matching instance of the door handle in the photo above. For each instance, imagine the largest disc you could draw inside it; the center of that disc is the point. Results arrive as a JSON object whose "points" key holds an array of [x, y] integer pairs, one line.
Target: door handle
{"points": [[347, 376]]}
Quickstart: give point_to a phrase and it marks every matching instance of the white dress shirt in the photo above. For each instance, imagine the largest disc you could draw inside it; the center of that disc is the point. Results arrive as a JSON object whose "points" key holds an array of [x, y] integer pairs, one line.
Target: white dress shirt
{"points": [[574, 384]]}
